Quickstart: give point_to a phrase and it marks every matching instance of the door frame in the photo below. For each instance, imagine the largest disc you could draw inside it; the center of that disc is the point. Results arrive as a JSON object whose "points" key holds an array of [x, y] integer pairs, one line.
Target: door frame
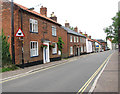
{"points": [[46, 53]]}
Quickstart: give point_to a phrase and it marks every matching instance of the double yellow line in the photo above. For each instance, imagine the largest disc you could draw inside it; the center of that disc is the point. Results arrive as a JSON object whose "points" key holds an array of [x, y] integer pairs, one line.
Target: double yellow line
{"points": [[92, 77], [50, 67]]}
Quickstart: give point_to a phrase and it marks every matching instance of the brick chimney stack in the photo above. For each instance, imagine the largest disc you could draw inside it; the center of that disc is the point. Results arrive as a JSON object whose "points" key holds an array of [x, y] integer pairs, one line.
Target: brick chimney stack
{"points": [[53, 17], [90, 37], [67, 24], [43, 11], [76, 29], [85, 35], [81, 32]]}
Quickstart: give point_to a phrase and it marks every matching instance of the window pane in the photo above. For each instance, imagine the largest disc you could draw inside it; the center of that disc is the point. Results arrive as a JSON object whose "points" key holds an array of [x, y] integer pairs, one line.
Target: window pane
{"points": [[31, 45], [31, 27]]}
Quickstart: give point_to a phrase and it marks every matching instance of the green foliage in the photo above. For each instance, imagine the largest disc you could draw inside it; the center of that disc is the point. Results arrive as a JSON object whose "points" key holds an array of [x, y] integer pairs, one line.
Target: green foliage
{"points": [[72, 28], [112, 30], [44, 45], [6, 59], [9, 68], [60, 44]]}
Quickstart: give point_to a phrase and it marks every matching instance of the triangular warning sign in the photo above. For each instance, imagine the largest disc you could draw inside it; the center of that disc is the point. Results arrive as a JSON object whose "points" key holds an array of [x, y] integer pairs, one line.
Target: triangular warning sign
{"points": [[19, 33]]}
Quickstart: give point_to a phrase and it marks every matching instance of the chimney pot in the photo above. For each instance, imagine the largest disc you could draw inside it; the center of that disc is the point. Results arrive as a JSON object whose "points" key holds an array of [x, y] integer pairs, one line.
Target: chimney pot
{"points": [[90, 37], [53, 17], [81, 32], [76, 29], [85, 34], [67, 24]]}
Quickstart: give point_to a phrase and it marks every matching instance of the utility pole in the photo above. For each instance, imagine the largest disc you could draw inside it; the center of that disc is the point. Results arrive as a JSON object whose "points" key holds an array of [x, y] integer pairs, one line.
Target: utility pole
{"points": [[12, 32]]}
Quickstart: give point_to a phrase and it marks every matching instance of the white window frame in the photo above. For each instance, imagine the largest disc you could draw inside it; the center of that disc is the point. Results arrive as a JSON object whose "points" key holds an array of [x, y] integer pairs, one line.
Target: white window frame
{"points": [[77, 39], [54, 33], [74, 39], [71, 50], [71, 39], [33, 50], [54, 50], [81, 40], [34, 26]]}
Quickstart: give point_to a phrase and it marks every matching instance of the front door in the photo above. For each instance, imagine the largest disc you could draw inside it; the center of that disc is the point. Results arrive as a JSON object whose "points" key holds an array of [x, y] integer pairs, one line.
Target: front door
{"points": [[46, 53]]}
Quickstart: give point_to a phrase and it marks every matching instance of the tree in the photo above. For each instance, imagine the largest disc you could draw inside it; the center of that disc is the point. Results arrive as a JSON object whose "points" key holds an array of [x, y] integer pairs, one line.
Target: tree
{"points": [[112, 30], [60, 44], [6, 59]]}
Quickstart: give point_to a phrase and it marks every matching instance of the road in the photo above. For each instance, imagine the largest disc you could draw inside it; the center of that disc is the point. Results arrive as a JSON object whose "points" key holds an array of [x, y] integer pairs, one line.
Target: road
{"points": [[69, 77]]}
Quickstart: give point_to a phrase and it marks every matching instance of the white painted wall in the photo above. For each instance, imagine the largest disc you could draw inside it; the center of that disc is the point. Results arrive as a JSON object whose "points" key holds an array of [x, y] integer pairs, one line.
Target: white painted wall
{"points": [[88, 46], [109, 44]]}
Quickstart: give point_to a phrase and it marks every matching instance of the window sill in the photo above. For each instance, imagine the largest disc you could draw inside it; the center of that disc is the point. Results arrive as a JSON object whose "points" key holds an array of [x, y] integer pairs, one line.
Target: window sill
{"points": [[34, 56], [34, 32], [54, 36], [54, 54]]}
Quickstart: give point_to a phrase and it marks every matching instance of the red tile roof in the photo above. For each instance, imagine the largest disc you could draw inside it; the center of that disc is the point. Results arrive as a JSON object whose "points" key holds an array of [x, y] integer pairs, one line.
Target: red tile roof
{"points": [[90, 39], [36, 13], [97, 41]]}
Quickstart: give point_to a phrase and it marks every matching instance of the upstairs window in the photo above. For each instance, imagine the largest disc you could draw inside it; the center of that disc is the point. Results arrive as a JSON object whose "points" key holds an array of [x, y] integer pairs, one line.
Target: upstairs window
{"points": [[54, 31], [33, 26], [70, 38], [80, 39], [77, 39], [74, 39]]}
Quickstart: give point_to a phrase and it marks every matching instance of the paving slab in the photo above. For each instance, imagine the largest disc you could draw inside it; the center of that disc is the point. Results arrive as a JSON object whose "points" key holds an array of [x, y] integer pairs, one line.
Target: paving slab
{"points": [[108, 81]]}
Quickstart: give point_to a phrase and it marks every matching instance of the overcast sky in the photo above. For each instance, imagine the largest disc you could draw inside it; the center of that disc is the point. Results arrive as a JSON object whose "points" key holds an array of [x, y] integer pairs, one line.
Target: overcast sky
{"points": [[91, 16]]}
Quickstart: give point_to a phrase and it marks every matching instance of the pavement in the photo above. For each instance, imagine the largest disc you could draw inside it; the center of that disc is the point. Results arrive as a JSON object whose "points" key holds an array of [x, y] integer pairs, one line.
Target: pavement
{"points": [[108, 81]]}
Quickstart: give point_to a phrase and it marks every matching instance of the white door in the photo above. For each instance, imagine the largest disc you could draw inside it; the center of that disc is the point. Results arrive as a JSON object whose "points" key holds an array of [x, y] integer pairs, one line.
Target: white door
{"points": [[46, 53]]}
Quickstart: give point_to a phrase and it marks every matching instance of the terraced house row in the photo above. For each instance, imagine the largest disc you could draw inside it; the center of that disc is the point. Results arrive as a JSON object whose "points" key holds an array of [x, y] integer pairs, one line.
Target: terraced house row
{"points": [[42, 34]]}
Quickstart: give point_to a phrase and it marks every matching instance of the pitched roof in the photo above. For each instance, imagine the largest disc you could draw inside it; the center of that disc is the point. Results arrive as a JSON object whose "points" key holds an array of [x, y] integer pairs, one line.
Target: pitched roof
{"points": [[100, 40], [72, 31], [36, 13], [90, 39], [97, 41]]}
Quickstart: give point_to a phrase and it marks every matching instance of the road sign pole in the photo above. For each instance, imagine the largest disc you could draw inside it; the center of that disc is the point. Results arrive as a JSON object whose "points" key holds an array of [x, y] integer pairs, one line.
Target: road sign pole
{"points": [[22, 42]]}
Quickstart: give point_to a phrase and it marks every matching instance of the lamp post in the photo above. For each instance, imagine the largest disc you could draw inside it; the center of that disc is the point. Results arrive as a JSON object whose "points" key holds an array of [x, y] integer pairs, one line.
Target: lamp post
{"points": [[12, 32]]}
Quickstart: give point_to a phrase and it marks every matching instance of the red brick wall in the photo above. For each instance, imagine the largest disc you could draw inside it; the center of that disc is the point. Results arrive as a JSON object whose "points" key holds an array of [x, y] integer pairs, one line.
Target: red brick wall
{"points": [[31, 36]]}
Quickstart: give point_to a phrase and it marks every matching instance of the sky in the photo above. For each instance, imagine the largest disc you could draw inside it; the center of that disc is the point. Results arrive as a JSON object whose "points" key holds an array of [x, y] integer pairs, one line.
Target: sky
{"points": [[90, 16]]}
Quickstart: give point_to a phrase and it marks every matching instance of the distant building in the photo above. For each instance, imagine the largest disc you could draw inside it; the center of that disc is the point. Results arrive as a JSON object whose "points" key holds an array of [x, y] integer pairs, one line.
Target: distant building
{"points": [[89, 44], [104, 44], [76, 43]]}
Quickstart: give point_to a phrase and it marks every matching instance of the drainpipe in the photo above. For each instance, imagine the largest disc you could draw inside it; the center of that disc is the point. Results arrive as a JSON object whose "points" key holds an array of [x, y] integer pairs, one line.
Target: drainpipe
{"points": [[12, 32]]}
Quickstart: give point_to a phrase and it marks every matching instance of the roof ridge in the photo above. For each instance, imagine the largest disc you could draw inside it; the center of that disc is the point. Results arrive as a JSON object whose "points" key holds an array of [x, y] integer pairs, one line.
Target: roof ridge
{"points": [[36, 13]]}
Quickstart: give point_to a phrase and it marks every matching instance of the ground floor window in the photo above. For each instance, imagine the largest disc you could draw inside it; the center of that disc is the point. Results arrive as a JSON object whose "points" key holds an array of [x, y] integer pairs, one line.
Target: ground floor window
{"points": [[71, 50], [54, 50], [33, 48], [81, 48]]}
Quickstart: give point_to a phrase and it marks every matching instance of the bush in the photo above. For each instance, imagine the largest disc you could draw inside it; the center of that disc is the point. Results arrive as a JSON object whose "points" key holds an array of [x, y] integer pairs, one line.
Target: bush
{"points": [[6, 58]]}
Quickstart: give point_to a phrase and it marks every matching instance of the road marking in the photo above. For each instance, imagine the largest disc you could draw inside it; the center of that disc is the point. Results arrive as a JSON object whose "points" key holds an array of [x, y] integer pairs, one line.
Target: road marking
{"points": [[28, 73], [95, 81], [20, 76], [34, 72], [92, 77]]}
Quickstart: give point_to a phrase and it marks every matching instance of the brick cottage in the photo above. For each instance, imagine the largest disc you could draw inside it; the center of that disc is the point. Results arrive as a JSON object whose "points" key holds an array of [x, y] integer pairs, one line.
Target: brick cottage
{"points": [[41, 34]]}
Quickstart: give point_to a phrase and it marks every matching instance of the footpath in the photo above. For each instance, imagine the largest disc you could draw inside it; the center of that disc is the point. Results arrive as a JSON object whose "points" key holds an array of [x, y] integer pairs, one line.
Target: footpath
{"points": [[108, 81]]}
